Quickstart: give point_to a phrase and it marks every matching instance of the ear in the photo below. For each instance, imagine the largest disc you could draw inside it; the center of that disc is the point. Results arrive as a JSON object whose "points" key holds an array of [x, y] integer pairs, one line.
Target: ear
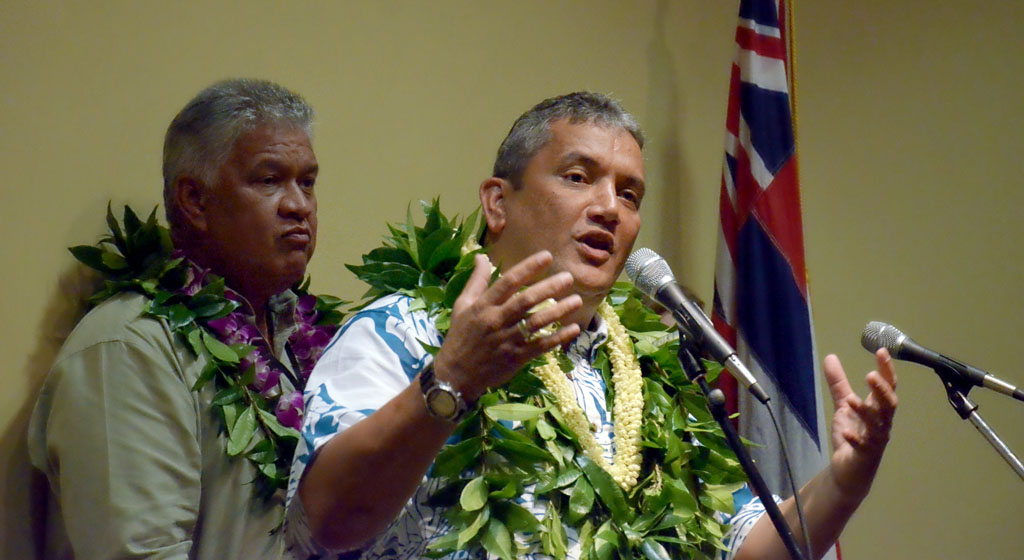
{"points": [[494, 193], [191, 196]]}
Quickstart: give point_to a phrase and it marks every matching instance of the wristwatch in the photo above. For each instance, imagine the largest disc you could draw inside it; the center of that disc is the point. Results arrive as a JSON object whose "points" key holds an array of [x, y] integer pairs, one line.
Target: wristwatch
{"points": [[442, 400]]}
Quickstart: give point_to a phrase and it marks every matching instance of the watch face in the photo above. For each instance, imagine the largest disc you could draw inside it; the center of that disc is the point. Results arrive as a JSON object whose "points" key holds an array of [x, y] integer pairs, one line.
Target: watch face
{"points": [[442, 403]]}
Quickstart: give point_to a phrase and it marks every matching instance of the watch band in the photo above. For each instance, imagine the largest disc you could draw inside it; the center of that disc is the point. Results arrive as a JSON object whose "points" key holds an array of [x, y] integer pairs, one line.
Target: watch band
{"points": [[442, 400]]}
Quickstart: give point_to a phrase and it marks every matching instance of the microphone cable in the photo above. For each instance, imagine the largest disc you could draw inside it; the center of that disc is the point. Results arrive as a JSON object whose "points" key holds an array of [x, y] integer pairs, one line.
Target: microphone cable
{"points": [[792, 483]]}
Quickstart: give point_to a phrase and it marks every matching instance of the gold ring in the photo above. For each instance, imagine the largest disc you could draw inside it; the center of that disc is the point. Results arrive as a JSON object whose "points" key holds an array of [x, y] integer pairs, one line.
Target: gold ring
{"points": [[524, 329]]}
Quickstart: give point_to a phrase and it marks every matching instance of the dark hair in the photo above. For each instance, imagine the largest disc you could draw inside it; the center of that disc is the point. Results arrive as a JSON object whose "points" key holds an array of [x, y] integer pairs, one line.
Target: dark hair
{"points": [[532, 130]]}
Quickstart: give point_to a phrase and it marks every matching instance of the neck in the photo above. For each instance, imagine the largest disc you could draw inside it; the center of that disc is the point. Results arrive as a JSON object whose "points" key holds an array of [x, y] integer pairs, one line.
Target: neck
{"points": [[585, 315]]}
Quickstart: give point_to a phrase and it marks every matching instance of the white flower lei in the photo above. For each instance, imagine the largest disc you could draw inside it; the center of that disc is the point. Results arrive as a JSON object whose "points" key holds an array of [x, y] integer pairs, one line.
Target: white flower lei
{"points": [[627, 410]]}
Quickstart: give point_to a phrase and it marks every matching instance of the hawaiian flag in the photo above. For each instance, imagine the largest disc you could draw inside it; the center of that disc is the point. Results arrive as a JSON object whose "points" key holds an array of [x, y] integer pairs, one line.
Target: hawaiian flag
{"points": [[761, 299]]}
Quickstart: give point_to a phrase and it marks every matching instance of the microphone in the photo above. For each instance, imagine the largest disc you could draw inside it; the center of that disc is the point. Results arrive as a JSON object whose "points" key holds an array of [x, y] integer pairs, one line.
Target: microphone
{"points": [[651, 274], [883, 335]]}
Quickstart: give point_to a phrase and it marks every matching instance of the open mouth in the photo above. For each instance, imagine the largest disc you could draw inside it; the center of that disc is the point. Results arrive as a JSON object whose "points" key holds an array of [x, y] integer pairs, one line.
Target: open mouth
{"points": [[598, 244]]}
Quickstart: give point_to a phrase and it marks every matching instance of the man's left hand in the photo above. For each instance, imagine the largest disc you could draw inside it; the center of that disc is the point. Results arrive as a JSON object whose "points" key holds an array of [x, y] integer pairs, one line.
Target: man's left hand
{"points": [[860, 427]]}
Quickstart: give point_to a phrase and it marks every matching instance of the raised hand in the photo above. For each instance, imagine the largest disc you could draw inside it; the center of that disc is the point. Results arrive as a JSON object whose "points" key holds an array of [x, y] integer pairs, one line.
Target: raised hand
{"points": [[485, 345], [860, 427]]}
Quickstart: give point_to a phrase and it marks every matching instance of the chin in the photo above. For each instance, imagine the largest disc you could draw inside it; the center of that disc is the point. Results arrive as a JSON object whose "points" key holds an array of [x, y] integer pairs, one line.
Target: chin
{"points": [[585, 284], [289, 276]]}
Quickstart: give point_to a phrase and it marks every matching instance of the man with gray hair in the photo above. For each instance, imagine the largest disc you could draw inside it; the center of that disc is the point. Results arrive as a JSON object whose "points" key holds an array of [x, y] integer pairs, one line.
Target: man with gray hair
{"points": [[562, 213], [135, 450]]}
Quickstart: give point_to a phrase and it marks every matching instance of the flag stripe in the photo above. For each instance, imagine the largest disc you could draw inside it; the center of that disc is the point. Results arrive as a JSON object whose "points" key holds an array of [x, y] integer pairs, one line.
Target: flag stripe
{"points": [[766, 113], [752, 41], [772, 316], [779, 211], [760, 12]]}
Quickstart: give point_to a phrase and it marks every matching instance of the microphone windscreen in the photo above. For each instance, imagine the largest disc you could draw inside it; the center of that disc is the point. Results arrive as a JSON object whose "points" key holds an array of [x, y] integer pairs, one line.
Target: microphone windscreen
{"points": [[880, 335], [647, 270]]}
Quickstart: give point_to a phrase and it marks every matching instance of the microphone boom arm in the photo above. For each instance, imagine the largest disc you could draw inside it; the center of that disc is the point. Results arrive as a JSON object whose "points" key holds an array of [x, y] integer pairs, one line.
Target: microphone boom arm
{"points": [[956, 390]]}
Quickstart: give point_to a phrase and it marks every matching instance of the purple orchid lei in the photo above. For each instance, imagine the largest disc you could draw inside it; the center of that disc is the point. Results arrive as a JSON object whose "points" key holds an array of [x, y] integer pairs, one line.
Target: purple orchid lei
{"points": [[261, 419], [307, 341]]}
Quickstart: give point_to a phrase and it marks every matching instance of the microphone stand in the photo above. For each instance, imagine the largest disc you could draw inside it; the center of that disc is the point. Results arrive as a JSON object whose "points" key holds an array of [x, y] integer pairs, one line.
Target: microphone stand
{"points": [[695, 371], [956, 390]]}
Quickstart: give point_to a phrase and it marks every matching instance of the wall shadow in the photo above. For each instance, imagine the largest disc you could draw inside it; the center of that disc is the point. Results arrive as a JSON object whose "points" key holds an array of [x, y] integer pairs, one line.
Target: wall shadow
{"points": [[23, 530]]}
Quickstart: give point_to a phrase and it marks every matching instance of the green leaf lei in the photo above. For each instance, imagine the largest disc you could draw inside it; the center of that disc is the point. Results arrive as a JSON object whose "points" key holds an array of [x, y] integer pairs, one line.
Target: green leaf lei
{"points": [[261, 423], [517, 438]]}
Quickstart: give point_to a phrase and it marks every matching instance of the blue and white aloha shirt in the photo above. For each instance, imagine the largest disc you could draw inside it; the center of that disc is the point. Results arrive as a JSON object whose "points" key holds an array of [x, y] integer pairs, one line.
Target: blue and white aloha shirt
{"points": [[375, 356]]}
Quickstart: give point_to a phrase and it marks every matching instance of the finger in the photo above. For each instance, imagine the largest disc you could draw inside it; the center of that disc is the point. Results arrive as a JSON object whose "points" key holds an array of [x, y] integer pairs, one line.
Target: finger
{"points": [[524, 302], [518, 276], [477, 283], [838, 384], [882, 395], [877, 411], [561, 337], [855, 438], [557, 312], [883, 381], [871, 417], [886, 367]]}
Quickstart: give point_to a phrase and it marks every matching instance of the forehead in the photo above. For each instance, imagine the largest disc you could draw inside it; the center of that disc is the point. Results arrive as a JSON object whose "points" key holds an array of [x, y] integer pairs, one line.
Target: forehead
{"points": [[269, 139], [595, 143]]}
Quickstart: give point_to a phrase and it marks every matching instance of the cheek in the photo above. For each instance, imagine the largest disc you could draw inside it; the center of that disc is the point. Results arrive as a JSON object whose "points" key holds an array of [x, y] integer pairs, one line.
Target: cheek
{"points": [[311, 221], [632, 228]]}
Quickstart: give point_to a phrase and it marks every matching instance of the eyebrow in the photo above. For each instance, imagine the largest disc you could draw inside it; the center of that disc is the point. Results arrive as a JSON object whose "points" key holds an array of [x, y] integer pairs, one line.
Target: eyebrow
{"points": [[587, 161], [579, 157], [276, 164]]}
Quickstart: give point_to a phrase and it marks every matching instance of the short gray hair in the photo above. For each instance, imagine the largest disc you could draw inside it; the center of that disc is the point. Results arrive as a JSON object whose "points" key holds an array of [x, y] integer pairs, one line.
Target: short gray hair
{"points": [[532, 130], [202, 135]]}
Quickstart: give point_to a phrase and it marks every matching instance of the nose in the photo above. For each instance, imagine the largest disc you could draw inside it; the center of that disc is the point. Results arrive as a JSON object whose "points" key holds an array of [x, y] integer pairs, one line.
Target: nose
{"points": [[604, 204], [298, 201]]}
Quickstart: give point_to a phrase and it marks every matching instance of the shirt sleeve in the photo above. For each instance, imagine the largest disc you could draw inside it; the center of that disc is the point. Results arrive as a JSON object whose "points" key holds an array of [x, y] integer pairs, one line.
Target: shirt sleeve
{"points": [[748, 510], [123, 451], [374, 357]]}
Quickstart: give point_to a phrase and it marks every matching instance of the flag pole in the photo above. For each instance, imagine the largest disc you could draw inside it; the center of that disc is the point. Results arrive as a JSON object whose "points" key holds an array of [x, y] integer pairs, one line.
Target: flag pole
{"points": [[791, 70]]}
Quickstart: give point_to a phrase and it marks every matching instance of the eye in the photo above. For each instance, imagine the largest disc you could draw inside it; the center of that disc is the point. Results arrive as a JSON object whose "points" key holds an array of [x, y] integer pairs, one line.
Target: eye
{"points": [[576, 177], [308, 182], [631, 197], [269, 180]]}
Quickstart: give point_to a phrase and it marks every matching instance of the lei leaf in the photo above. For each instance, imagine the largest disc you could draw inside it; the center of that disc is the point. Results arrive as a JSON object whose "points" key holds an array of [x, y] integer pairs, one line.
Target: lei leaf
{"points": [[467, 534], [581, 500], [453, 459], [241, 433], [474, 495], [605, 487], [517, 438], [497, 540], [513, 411], [221, 351]]}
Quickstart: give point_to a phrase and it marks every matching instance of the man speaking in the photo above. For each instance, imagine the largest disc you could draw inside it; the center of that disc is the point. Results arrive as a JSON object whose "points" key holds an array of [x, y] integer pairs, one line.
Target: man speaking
{"points": [[562, 211]]}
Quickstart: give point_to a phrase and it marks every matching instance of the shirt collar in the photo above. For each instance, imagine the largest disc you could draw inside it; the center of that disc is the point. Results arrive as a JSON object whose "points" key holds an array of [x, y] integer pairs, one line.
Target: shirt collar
{"points": [[587, 343]]}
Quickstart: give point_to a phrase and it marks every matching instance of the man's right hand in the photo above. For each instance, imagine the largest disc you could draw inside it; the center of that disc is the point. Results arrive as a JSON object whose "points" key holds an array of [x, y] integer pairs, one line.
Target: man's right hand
{"points": [[363, 476], [485, 346]]}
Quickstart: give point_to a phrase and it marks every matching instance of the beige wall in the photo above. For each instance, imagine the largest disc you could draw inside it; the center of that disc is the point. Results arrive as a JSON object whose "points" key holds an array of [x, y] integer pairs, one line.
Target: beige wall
{"points": [[909, 120]]}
